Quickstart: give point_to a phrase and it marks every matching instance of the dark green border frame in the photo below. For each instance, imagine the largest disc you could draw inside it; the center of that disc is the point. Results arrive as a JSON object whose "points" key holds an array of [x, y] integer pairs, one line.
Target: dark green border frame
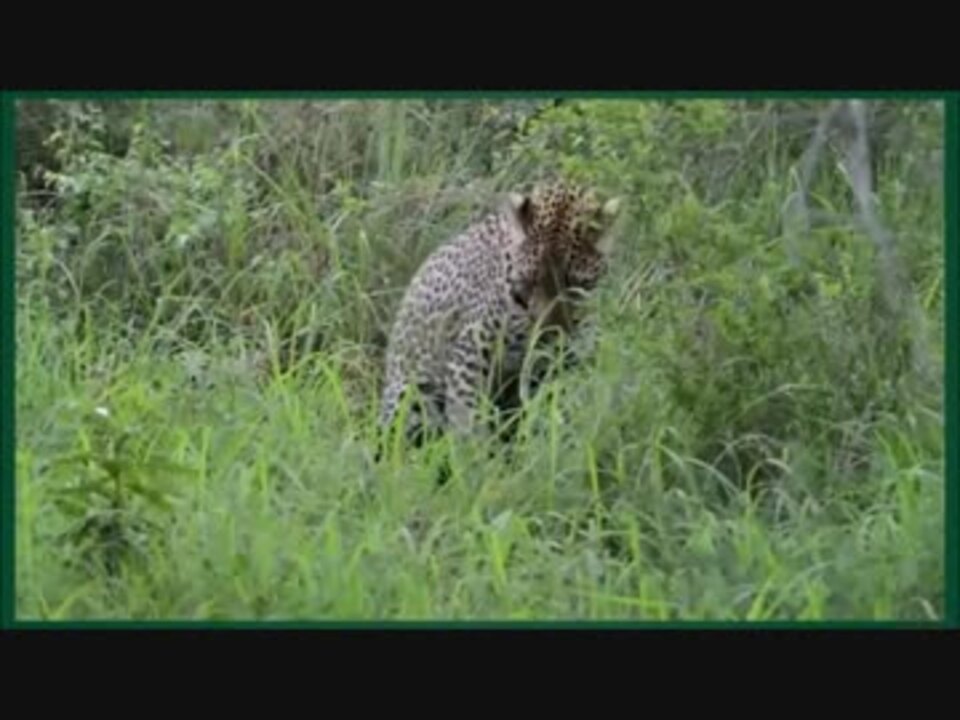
{"points": [[7, 352], [8, 335]]}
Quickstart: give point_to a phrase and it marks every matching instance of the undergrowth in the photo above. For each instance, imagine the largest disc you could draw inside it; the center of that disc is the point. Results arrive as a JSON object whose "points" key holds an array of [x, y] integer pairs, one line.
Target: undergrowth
{"points": [[204, 294]]}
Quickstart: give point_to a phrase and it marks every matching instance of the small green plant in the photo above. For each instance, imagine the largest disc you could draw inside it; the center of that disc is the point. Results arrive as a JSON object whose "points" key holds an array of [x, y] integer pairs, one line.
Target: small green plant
{"points": [[115, 493]]}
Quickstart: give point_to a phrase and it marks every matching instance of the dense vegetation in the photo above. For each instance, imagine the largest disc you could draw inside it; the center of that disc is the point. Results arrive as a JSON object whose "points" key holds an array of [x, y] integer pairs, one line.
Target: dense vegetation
{"points": [[204, 290]]}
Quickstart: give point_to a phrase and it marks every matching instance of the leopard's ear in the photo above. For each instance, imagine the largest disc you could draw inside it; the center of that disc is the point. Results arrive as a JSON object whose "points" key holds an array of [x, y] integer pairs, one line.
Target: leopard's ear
{"points": [[522, 207], [611, 209]]}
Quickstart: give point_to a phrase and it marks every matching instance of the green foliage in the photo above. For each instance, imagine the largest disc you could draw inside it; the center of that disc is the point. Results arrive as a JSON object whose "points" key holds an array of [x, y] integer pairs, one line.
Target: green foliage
{"points": [[756, 435]]}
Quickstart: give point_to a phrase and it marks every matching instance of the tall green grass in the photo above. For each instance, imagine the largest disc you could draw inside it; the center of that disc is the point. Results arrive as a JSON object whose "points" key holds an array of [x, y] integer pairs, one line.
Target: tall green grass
{"points": [[204, 293]]}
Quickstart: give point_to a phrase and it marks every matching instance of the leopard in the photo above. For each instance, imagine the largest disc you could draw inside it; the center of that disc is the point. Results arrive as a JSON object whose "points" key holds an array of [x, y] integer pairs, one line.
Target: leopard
{"points": [[481, 300]]}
